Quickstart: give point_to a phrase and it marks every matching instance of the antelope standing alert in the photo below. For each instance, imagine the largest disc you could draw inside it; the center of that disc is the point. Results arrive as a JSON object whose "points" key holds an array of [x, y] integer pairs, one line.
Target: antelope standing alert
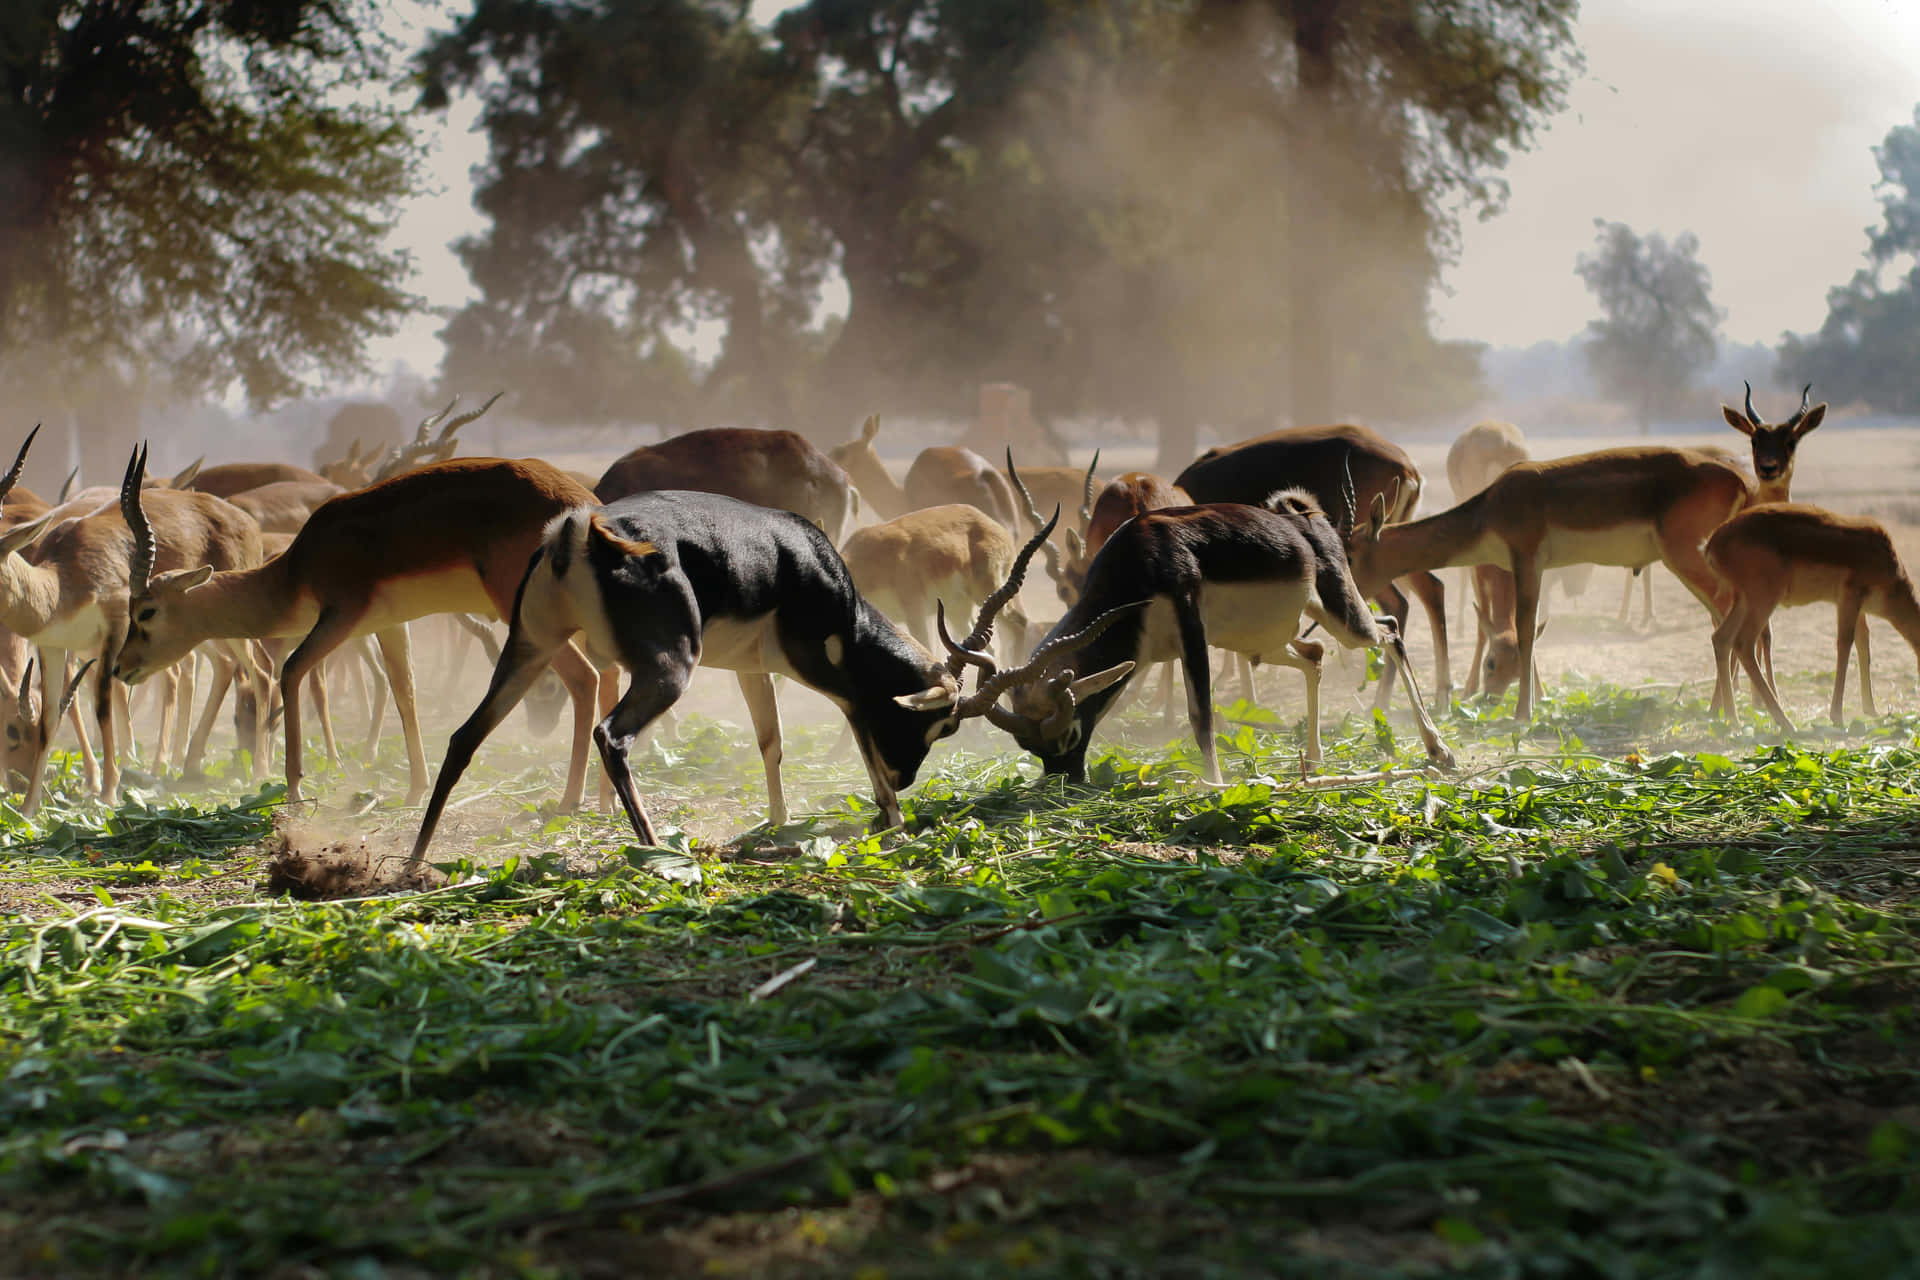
{"points": [[1331, 463], [777, 469], [448, 537], [1617, 506], [665, 582], [1782, 554], [1173, 581]]}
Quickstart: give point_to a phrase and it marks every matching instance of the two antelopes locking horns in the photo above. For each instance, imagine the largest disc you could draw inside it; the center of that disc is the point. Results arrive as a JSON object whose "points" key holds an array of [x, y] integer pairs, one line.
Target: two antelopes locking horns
{"points": [[718, 548]]}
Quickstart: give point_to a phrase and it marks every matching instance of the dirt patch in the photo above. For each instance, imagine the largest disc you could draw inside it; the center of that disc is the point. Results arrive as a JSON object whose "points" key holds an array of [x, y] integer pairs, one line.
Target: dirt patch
{"points": [[309, 863]]}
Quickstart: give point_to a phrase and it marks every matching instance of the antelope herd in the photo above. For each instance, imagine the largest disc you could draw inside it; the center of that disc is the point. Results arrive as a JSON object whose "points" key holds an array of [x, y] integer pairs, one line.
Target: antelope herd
{"points": [[755, 552]]}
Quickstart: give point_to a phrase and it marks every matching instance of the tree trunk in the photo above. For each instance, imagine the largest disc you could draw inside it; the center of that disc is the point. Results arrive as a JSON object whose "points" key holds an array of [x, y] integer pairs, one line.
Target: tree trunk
{"points": [[1313, 230]]}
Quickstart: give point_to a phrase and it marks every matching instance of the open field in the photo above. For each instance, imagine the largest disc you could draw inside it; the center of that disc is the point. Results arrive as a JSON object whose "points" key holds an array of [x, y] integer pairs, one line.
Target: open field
{"points": [[1630, 994]]}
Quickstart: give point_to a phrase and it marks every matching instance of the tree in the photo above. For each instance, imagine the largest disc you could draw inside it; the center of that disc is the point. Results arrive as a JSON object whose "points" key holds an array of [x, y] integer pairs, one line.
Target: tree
{"points": [[1658, 322], [1864, 350], [196, 187], [660, 163]]}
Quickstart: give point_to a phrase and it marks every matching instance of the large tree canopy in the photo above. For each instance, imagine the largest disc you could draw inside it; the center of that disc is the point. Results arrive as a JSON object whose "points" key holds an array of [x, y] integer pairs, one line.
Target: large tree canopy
{"points": [[1658, 325], [1865, 350], [204, 184], [1219, 209]]}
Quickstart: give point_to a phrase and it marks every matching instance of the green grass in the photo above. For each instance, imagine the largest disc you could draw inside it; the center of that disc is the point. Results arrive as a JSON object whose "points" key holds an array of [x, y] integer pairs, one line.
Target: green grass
{"points": [[1620, 1006]]}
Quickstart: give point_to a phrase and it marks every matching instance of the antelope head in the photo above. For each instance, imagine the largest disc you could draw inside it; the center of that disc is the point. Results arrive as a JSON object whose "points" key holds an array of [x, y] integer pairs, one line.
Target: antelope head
{"points": [[861, 461], [28, 730], [156, 633], [1774, 444]]}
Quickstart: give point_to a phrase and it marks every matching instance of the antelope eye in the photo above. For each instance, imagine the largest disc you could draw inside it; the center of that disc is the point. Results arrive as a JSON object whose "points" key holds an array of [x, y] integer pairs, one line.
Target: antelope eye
{"points": [[146, 614]]}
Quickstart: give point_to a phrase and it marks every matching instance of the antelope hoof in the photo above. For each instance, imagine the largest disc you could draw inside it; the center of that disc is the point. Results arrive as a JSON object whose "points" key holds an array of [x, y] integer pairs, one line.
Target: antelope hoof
{"points": [[1442, 759]]}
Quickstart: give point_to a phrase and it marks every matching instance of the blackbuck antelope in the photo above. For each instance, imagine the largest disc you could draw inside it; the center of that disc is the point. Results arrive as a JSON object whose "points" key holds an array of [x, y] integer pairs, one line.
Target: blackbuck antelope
{"points": [[1788, 553], [448, 537], [1774, 444], [955, 555], [1331, 463], [938, 475], [666, 582], [1616, 506], [1173, 581], [777, 469], [69, 592]]}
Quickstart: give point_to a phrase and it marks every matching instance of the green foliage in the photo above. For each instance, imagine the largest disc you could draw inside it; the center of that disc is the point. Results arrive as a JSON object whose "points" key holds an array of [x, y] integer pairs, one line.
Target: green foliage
{"points": [[1572, 1014], [202, 187], [1658, 324], [1864, 349], [1008, 190]]}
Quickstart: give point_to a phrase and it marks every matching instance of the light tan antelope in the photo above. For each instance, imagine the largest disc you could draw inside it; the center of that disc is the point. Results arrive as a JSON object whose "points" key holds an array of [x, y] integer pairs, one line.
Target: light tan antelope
{"points": [[449, 537], [70, 591], [1782, 554], [1616, 506], [1344, 468], [285, 505], [229, 478], [938, 475], [954, 555]]}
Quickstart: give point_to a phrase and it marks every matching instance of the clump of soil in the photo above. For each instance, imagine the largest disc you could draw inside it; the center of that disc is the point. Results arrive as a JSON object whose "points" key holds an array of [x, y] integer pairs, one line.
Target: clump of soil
{"points": [[319, 866]]}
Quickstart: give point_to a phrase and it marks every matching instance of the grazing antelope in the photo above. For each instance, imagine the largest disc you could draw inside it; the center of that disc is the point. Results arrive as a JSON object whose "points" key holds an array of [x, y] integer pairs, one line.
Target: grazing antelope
{"points": [[1173, 581], [954, 554], [230, 478], [1788, 553], [448, 537], [665, 582], [1339, 466], [777, 469], [939, 475], [1616, 506], [69, 591]]}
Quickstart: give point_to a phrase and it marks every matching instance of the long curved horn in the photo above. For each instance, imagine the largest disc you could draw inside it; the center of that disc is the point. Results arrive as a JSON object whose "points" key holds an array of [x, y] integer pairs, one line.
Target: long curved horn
{"points": [[19, 462], [424, 431], [1351, 516], [987, 694], [26, 686], [140, 571], [73, 687], [1033, 514], [1086, 496], [962, 657], [446, 432], [66, 490], [1753, 417]]}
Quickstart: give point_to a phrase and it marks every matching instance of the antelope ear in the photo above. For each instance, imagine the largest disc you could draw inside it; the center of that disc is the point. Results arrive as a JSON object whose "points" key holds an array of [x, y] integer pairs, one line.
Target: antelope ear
{"points": [[870, 428], [1377, 515], [1736, 421], [933, 698], [179, 580], [22, 535], [1814, 417], [1086, 686]]}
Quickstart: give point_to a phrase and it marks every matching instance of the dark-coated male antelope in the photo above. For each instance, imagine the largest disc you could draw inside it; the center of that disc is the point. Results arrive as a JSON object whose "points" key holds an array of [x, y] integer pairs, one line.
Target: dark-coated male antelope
{"points": [[1788, 553], [1173, 581], [665, 582]]}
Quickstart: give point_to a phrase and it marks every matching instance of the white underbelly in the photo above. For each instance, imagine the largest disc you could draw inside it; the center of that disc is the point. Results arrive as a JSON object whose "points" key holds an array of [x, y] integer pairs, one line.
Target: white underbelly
{"points": [[83, 632], [1250, 618], [1629, 545], [744, 644]]}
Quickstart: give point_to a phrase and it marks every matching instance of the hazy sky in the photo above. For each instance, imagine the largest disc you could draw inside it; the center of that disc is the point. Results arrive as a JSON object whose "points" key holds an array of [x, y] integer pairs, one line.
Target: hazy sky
{"points": [[1749, 123]]}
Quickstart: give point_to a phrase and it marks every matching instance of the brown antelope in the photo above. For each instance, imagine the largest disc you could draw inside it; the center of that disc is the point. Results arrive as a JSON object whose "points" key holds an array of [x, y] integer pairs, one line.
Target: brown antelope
{"points": [[939, 475], [665, 582], [285, 505], [950, 555], [1482, 452], [1173, 581], [1774, 445], [1331, 463], [1788, 553], [777, 469], [1617, 506], [230, 478], [448, 537], [69, 592]]}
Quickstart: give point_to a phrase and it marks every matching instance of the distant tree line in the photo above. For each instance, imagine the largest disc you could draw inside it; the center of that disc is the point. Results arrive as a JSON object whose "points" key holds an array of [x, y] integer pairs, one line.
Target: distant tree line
{"points": [[1177, 210]]}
